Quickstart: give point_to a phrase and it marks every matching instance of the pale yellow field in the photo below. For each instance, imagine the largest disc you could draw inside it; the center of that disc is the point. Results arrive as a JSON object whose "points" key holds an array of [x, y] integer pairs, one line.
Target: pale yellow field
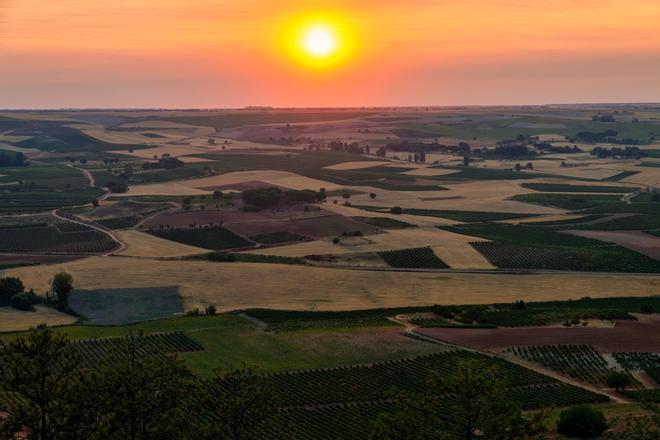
{"points": [[171, 128], [452, 248], [240, 285], [359, 165], [141, 244], [461, 256], [172, 150], [486, 195], [119, 137], [14, 320], [193, 186]]}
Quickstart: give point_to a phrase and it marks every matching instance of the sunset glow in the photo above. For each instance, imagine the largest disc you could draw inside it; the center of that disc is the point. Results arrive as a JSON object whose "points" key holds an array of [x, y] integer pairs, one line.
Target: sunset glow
{"points": [[343, 52]]}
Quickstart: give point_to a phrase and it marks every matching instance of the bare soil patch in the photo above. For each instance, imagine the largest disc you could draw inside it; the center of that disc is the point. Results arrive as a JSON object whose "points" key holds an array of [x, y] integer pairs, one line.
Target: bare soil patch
{"points": [[641, 336]]}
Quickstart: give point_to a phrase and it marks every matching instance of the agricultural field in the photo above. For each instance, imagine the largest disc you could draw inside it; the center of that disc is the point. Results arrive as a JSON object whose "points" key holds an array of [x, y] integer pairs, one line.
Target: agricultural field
{"points": [[58, 238], [296, 287], [508, 236], [581, 362], [414, 258], [210, 237]]}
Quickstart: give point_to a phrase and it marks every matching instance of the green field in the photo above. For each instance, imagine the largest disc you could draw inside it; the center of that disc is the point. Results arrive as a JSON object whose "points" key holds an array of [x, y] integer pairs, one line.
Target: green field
{"points": [[571, 202], [207, 238], [414, 258], [558, 187]]}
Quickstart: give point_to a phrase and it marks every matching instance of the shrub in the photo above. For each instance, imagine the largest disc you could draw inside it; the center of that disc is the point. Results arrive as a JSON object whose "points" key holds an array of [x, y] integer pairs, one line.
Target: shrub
{"points": [[222, 257], [211, 310], [618, 380], [22, 301], [335, 240], [9, 287], [396, 210], [582, 422]]}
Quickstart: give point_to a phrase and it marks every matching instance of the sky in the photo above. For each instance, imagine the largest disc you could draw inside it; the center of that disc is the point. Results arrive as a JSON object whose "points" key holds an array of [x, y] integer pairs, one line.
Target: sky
{"points": [[235, 53]]}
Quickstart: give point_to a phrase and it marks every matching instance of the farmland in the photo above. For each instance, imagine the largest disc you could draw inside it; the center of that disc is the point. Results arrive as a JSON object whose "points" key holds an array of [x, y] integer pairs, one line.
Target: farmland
{"points": [[62, 238], [507, 243], [211, 237]]}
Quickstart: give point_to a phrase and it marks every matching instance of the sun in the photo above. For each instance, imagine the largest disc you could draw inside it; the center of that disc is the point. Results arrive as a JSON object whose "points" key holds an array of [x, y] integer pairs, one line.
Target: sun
{"points": [[320, 42]]}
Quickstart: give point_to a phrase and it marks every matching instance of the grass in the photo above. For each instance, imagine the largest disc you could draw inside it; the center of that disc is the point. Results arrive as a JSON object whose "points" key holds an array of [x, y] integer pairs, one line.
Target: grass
{"points": [[523, 235], [126, 306], [277, 237], [53, 176], [231, 340], [385, 222], [571, 202], [34, 200], [461, 216], [474, 173], [559, 187], [207, 238], [637, 222], [622, 175], [542, 248]]}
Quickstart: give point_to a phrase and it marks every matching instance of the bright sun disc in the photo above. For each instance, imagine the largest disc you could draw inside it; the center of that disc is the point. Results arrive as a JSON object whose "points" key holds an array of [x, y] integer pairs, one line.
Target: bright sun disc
{"points": [[320, 42]]}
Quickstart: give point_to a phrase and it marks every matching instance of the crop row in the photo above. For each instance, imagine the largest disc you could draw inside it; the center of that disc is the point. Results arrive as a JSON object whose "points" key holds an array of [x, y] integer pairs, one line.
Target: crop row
{"points": [[119, 222], [413, 258], [581, 362], [519, 257], [94, 352], [376, 381], [69, 227], [49, 239], [208, 238]]}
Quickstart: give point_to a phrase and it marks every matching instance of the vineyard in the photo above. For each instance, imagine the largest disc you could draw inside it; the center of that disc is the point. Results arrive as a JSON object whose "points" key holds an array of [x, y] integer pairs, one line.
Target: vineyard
{"points": [[413, 258], [208, 238], [384, 222], [564, 188], [119, 222], [61, 238], [584, 259], [94, 352], [375, 382], [33, 200], [296, 320], [581, 362], [443, 323], [535, 317], [277, 237], [648, 362]]}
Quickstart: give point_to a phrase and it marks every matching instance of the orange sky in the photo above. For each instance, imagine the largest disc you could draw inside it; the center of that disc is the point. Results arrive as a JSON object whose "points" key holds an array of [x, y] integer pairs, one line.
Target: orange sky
{"points": [[230, 53]]}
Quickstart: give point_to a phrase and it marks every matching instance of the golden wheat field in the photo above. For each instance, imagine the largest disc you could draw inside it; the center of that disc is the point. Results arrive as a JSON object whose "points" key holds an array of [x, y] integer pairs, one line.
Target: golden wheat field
{"points": [[231, 286]]}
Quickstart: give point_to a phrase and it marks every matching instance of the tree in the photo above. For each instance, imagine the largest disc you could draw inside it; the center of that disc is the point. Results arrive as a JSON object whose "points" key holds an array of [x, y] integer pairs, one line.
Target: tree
{"points": [[396, 210], [518, 167], [62, 285], [581, 421], [9, 287], [372, 195], [143, 395], [43, 369], [618, 380], [479, 409], [243, 406], [466, 161]]}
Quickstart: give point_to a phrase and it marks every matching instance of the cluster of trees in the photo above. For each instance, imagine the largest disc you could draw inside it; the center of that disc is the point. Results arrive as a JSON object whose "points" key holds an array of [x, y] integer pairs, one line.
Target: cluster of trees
{"points": [[505, 150], [609, 136], [117, 187], [567, 149], [417, 157], [410, 147], [132, 396], [13, 159], [14, 294], [603, 118], [615, 152], [352, 147], [164, 163], [136, 395], [273, 197]]}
